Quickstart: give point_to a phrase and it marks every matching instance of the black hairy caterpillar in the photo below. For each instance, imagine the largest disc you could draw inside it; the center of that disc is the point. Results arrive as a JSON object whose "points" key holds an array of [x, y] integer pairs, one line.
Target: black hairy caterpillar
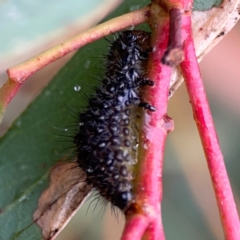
{"points": [[107, 137]]}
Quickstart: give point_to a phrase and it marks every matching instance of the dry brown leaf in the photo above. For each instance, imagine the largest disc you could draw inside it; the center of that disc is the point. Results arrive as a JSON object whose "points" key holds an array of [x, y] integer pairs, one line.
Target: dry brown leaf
{"points": [[59, 202]]}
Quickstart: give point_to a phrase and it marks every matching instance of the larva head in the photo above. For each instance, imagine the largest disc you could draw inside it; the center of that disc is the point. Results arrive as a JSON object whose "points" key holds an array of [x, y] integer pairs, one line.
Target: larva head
{"points": [[134, 45]]}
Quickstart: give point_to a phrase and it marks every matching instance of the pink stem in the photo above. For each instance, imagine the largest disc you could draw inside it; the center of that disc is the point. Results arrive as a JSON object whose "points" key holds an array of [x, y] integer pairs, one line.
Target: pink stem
{"points": [[155, 230], [173, 56], [203, 118], [135, 228], [156, 125]]}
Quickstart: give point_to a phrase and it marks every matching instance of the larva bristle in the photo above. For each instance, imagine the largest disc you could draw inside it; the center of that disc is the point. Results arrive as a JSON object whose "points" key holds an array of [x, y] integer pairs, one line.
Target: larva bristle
{"points": [[107, 138]]}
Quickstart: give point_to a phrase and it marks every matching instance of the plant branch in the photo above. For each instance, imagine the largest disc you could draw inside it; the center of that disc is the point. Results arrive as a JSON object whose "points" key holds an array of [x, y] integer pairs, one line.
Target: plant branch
{"points": [[135, 228], [155, 230], [24, 70], [20, 73], [156, 125], [204, 121], [173, 56], [7, 92], [166, 34]]}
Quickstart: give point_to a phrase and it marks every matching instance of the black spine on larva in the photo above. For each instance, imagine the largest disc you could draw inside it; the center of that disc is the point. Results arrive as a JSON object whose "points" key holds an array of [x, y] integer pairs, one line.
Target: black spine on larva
{"points": [[105, 139]]}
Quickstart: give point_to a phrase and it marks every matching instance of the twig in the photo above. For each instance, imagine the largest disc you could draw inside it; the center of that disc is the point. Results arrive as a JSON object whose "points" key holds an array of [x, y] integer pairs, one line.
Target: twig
{"points": [[20, 73], [173, 56], [204, 121], [156, 125], [7, 92], [135, 228], [24, 70]]}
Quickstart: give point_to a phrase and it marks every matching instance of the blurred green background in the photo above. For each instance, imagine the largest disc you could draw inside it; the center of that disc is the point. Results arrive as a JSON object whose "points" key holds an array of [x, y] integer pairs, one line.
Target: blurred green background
{"points": [[189, 207]]}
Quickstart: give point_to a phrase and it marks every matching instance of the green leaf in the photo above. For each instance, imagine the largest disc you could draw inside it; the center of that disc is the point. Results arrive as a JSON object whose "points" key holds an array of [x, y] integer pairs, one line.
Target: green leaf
{"points": [[32, 145], [204, 5]]}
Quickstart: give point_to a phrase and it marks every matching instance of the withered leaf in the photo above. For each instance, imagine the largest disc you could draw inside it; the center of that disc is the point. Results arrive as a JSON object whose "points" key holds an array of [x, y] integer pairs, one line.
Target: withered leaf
{"points": [[59, 202]]}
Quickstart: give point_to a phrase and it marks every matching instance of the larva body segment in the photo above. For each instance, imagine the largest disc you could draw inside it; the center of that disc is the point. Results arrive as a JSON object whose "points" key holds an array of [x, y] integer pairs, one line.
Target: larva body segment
{"points": [[107, 137]]}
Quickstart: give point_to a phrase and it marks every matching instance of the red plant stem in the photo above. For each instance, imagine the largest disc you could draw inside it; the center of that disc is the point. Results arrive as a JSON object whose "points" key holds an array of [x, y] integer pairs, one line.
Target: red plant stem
{"points": [[135, 228], [156, 125], [204, 121], [173, 56], [155, 230]]}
